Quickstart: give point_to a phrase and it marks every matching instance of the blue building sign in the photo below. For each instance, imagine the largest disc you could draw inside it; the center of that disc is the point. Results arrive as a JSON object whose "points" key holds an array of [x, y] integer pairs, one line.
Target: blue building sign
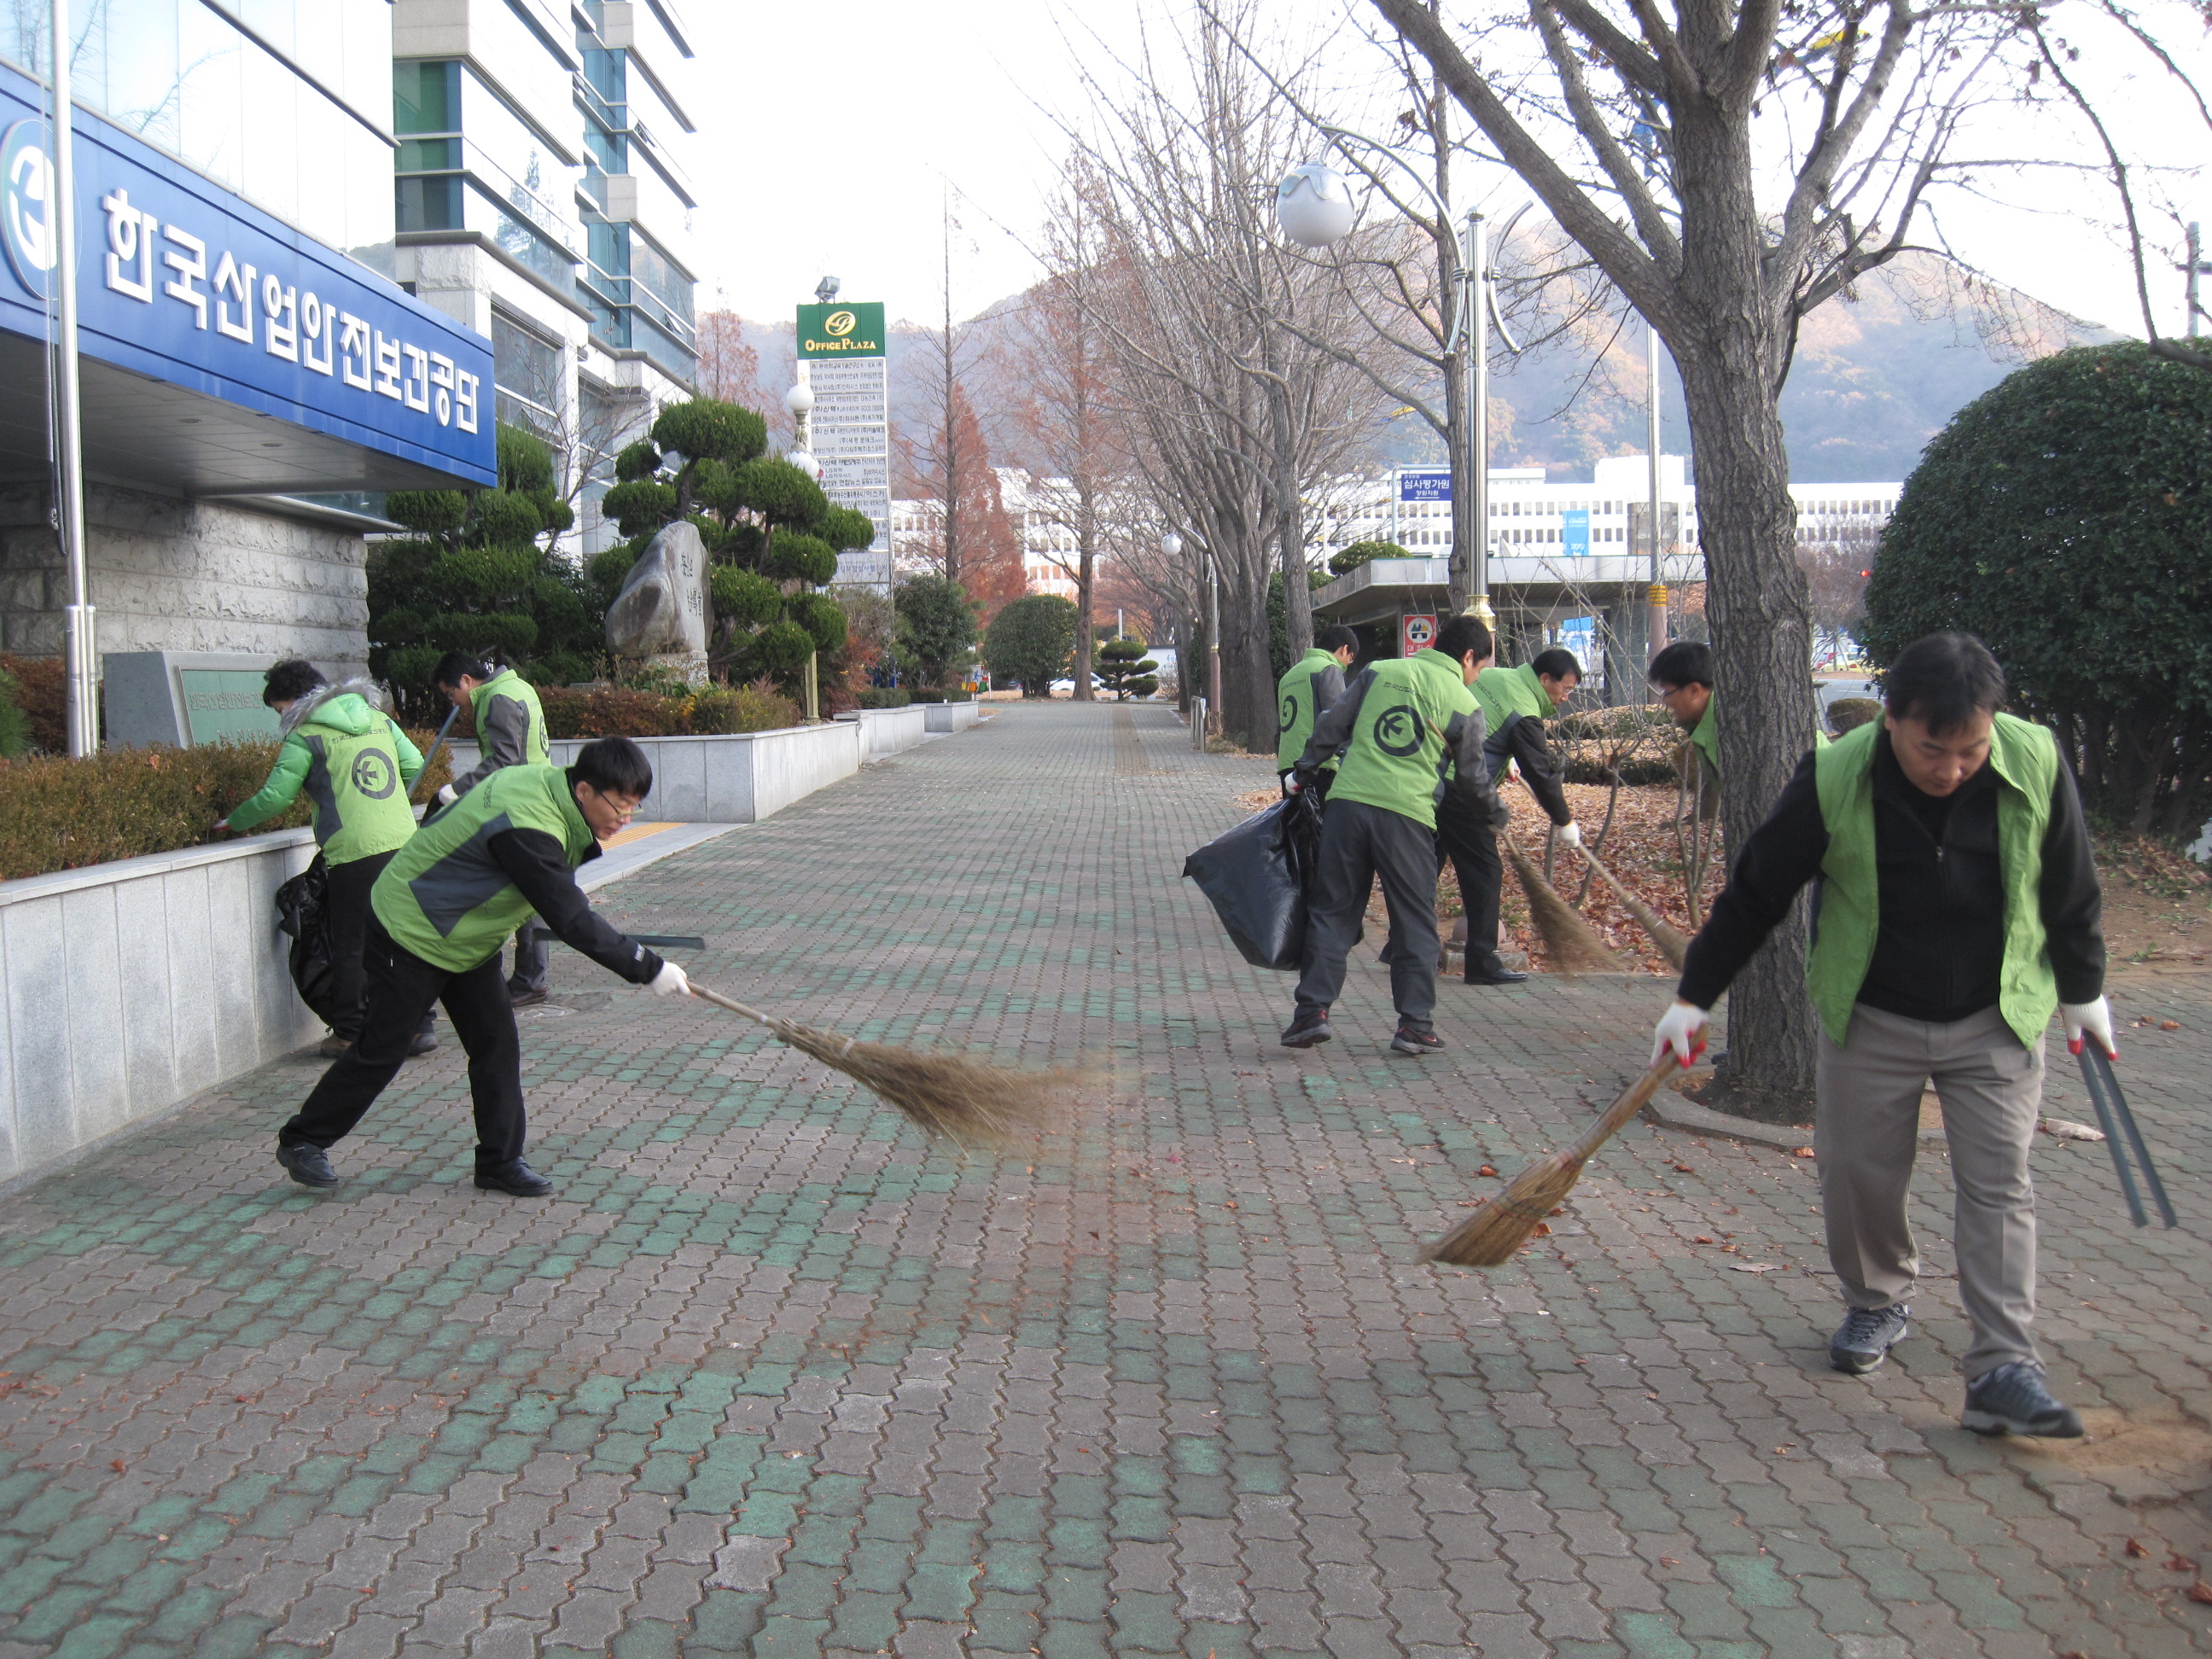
{"points": [[182, 281], [1425, 486], [1574, 534]]}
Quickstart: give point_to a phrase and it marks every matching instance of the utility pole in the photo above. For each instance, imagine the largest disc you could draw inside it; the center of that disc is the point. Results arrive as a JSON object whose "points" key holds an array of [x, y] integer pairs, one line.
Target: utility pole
{"points": [[2198, 267]]}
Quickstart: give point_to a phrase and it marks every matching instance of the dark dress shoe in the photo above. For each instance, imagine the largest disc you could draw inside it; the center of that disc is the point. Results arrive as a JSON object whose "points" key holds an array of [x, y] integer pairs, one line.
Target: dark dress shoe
{"points": [[1492, 972], [525, 996], [308, 1165], [517, 1179], [422, 1043]]}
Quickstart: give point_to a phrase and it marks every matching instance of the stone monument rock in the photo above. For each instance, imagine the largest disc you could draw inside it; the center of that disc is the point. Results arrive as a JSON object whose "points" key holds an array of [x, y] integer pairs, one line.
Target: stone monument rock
{"points": [[662, 611]]}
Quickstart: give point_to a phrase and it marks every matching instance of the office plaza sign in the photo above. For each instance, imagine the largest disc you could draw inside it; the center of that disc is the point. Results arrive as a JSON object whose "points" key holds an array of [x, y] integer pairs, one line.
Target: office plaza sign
{"points": [[182, 281], [841, 353]]}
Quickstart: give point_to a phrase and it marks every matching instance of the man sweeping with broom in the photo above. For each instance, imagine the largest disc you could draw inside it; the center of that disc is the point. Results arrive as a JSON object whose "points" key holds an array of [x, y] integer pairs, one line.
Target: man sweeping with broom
{"points": [[1515, 703], [1402, 724], [1958, 907]]}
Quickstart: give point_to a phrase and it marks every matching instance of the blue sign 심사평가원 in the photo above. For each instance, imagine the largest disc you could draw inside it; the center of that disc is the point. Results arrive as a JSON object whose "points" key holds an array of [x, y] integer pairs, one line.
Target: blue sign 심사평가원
{"points": [[183, 282], [1425, 486], [1574, 534]]}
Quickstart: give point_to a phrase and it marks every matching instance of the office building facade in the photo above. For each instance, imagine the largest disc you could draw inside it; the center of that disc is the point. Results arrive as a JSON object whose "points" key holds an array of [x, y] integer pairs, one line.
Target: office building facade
{"points": [[543, 201], [252, 376]]}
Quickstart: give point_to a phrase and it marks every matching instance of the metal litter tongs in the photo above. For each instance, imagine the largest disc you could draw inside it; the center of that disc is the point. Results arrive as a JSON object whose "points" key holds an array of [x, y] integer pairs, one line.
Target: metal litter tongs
{"points": [[2114, 1117]]}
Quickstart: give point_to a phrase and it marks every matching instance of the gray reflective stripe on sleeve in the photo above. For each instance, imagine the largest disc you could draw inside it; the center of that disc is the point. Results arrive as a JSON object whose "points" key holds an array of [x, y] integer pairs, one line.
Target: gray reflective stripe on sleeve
{"points": [[321, 793]]}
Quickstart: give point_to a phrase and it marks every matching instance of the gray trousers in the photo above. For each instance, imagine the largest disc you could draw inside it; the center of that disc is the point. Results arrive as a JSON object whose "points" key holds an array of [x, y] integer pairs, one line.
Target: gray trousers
{"points": [[1867, 1132], [530, 957], [1358, 844]]}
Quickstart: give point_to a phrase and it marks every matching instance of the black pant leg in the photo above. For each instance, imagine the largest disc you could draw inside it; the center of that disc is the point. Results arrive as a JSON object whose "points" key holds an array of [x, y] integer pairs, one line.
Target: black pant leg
{"points": [[1472, 847], [349, 921], [484, 1020], [401, 986], [1403, 851], [1343, 876]]}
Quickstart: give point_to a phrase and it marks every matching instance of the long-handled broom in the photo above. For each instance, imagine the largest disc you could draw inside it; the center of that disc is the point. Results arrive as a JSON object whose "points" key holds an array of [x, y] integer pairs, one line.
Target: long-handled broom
{"points": [[1673, 943], [1572, 944], [969, 1101], [1489, 1237]]}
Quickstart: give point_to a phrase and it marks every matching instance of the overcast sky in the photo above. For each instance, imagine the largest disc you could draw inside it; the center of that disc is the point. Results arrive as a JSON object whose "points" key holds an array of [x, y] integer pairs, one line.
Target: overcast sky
{"points": [[834, 138]]}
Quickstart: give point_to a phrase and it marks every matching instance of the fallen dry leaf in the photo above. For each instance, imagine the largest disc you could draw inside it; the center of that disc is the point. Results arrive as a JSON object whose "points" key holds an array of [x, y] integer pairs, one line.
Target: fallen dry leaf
{"points": [[2179, 1563], [2200, 1591], [1701, 1239], [115, 1463], [1802, 1151], [2169, 1025], [1486, 1170], [2135, 1550]]}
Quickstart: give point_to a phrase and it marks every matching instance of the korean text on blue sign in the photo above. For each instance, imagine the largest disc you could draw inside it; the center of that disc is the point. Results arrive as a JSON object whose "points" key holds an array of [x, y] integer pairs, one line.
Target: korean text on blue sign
{"points": [[183, 282], [1425, 486], [1574, 533]]}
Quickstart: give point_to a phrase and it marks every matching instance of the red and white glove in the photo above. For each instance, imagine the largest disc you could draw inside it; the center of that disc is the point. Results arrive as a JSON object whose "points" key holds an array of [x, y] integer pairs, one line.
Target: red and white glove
{"points": [[2095, 1017], [1682, 1029]]}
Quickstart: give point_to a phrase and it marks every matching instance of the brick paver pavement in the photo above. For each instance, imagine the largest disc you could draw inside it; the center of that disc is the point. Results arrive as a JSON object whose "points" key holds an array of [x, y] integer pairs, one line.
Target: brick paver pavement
{"points": [[772, 1375]]}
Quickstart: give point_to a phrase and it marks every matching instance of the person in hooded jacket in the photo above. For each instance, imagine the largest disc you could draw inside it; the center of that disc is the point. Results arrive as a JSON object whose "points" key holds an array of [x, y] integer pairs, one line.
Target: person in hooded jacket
{"points": [[356, 767]]}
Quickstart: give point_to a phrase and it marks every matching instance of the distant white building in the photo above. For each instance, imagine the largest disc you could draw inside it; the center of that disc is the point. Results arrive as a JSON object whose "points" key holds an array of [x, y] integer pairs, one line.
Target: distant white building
{"points": [[1039, 509]]}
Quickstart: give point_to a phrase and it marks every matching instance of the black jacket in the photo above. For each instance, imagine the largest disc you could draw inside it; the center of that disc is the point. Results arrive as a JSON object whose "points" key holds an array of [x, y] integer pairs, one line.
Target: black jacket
{"points": [[1462, 769], [1522, 739], [1939, 951], [539, 867]]}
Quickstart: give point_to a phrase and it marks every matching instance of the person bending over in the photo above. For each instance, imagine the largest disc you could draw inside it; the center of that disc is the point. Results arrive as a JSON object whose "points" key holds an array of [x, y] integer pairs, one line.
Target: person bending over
{"points": [[440, 912], [1515, 703], [1958, 908], [510, 732], [1314, 681], [356, 766], [1402, 725]]}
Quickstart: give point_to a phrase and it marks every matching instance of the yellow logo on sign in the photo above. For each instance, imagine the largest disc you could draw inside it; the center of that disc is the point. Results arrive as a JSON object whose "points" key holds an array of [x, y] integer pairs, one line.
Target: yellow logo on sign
{"points": [[839, 324]]}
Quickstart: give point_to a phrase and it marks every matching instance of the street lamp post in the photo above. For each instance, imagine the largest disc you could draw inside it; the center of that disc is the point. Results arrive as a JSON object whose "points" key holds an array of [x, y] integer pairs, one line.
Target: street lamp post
{"points": [[84, 662], [1314, 207]]}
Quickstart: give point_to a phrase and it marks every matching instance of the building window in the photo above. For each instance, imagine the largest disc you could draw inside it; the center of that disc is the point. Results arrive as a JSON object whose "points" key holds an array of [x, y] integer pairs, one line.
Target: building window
{"points": [[527, 371]]}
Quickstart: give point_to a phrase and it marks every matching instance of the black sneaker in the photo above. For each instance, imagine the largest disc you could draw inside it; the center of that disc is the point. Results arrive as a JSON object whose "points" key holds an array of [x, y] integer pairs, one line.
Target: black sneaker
{"points": [[422, 1043], [2012, 1400], [1309, 1028], [308, 1165], [517, 1179], [1863, 1340], [1410, 1041]]}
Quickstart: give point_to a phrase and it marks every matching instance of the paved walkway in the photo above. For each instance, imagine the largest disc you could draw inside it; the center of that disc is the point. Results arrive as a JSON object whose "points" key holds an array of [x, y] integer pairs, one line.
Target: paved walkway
{"points": [[771, 1376]]}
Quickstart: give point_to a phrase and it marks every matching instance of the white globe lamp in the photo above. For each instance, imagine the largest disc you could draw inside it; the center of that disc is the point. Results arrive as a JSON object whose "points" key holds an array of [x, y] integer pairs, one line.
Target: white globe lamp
{"points": [[1314, 205], [799, 400], [1171, 544], [806, 463]]}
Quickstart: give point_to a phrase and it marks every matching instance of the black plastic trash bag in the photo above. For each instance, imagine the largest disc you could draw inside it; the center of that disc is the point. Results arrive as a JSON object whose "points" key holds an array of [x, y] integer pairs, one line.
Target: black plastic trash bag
{"points": [[1255, 878], [303, 912]]}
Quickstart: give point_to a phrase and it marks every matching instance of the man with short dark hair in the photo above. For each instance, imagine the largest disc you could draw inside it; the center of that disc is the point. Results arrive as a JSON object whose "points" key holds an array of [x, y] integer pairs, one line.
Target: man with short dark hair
{"points": [[441, 910], [355, 767], [1314, 681], [1401, 727], [510, 725], [1515, 703], [1958, 910], [1682, 675]]}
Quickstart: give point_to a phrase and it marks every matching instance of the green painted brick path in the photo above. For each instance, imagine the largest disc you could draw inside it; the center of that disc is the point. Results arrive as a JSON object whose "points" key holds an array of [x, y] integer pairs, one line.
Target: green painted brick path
{"points": [[774, 1376]]}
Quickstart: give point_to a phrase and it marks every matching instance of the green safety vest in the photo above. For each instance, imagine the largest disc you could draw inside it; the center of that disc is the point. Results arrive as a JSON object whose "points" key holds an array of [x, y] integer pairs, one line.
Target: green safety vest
{"points": [[2026, 760], [445, 897], [356, 766], [508, 683], [1705, 735], [1294, 699], [1395, 757], [1505, 692]]}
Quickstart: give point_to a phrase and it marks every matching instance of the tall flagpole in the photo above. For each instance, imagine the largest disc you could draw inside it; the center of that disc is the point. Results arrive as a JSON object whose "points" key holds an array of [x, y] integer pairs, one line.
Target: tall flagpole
{"points": [[69, 436]]}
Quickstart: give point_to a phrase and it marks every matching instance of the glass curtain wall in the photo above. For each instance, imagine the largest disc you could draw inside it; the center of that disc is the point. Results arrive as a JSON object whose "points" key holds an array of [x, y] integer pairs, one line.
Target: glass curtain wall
{"points": [[293, 124], [468, 161]]}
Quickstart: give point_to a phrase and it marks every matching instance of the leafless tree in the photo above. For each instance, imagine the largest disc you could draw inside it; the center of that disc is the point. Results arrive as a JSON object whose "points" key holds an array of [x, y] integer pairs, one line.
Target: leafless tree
{"points": [[1231, 414], [1731, 164]]}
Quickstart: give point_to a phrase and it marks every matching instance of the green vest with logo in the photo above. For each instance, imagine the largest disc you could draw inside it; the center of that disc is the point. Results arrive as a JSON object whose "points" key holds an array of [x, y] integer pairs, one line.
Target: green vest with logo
{"points": [[1294, 701], [2025, 758], [1395, 757], [354, 766], [508, 683], [444, 896], [1505, 692]]}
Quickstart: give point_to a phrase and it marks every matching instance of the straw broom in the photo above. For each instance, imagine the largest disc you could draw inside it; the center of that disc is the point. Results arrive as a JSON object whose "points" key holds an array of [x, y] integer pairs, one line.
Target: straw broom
{"points": [[968, 1101], [1489, 1237], [1572, 944], [1673, 943]]}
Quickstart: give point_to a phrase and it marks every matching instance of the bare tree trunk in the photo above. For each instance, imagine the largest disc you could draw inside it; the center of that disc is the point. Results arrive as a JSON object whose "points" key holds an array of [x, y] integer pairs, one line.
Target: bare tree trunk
{"points": [[1762, 636], [1086, 571]]}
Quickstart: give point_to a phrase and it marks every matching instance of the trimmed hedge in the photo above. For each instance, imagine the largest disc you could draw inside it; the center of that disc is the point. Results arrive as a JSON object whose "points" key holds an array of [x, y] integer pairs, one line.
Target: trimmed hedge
{"points": [[57, 813], [882, 697], [711, 711]]}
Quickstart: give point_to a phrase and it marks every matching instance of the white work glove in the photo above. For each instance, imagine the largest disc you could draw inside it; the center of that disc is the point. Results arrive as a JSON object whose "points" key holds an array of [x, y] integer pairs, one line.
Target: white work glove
{"points": [[446, 796], [1682, 1027], [1571, 834], [2095, 1017], [670, 982]]}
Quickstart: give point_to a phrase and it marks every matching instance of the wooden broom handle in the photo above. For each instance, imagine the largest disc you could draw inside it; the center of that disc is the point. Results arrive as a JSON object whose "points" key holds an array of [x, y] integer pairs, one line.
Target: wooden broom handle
{"points": [[731, 1004], [1633, 1099]]}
